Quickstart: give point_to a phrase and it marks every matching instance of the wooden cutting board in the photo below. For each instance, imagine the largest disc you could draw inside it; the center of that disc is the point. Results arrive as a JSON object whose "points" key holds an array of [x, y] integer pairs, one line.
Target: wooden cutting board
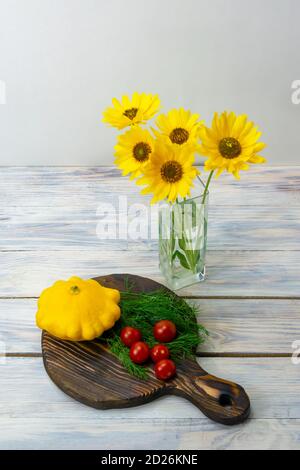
{"points": [[88, 372]]}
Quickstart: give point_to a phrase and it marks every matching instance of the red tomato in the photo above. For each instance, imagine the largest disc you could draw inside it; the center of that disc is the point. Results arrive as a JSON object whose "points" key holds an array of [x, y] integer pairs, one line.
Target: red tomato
{"points": [[165, 369], [130, 335], [139, 352], [164, 331], [159, 352]]}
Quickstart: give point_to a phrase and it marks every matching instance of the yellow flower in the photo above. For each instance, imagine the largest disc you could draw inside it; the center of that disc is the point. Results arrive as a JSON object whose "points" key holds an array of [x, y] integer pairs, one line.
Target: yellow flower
{"points": [[170, 172], [127, 112], [133, 151], [179, 126], [231, 144]]}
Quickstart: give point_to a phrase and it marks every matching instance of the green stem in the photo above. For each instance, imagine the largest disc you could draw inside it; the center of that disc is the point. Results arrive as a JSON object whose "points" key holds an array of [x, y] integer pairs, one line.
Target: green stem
{"points": [[206, 186]]}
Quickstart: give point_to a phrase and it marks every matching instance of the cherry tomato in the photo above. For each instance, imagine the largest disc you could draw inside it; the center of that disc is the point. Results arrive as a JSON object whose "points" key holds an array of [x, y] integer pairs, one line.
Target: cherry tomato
{"points": [[139, 352], [165, 369], [164, 331], [130, 335], [159, 352]]}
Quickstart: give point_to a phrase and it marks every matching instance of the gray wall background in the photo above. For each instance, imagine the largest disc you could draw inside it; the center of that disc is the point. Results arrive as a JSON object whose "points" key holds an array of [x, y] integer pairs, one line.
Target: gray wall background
{"points": [[63, 60]]}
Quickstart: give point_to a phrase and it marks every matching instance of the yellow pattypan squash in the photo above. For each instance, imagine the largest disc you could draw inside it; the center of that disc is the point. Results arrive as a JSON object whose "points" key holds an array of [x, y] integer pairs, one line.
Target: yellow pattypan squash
{"points": [[78, 310]]}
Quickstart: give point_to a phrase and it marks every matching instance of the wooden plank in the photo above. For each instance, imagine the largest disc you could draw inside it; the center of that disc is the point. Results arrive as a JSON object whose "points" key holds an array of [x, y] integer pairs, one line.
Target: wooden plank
{"points": [[23, 381], [72, 186], [18, 333], [264, 326], [46, 432], [68, 228], [35, 414], [263, 274]]}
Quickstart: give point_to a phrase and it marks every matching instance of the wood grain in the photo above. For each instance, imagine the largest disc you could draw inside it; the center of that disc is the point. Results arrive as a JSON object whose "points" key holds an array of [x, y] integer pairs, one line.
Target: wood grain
{"points": [[24, 384], [263, 274], [62, 228], [232, 324], [59, 186], [90, 373], [249, 326], [43, 211], [35, 414], [49, 431]]}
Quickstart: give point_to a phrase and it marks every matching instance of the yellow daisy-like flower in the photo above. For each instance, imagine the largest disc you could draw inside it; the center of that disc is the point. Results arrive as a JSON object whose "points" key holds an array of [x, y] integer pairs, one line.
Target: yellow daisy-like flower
{"points": [[230, 144], [133, 151], [128, 112], [170, 172], [179, 126]]}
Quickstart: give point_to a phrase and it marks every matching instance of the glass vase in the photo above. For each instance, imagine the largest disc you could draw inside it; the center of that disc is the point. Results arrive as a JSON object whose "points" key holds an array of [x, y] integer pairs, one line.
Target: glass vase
{"points": [[183, 238]]}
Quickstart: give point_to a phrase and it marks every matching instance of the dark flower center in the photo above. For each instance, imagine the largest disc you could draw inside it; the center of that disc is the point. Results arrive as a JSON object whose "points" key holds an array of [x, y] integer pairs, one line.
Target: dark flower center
{"points": [[229, 147], [141, 151], [130, 113], [171, 171], [179, 135]]}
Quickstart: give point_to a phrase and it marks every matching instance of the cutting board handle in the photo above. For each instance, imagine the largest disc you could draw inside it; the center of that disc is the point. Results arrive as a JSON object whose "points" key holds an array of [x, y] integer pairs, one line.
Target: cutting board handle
{"points": [[223, 401]]}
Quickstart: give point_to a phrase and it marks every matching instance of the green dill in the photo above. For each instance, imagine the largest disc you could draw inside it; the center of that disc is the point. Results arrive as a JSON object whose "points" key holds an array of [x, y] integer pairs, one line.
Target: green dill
{"points": [[122, 352], [142, 310]]}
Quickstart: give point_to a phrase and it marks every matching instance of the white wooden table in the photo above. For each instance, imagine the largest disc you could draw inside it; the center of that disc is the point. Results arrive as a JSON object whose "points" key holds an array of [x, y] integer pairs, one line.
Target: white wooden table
{"points": [[250, 302]]}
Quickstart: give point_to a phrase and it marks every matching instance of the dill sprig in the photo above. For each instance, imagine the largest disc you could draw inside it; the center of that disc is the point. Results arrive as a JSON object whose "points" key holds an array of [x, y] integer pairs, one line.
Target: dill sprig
{"points": [[142, 310], [122, 352]]}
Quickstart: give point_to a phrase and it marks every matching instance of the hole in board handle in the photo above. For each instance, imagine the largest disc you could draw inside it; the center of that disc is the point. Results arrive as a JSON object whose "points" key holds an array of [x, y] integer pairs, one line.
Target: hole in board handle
{"points": [[225, 400]]}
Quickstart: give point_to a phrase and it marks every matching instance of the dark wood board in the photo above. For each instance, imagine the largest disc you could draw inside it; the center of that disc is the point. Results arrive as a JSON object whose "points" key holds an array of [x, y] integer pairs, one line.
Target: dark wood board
{"points": [[88, 372]]}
